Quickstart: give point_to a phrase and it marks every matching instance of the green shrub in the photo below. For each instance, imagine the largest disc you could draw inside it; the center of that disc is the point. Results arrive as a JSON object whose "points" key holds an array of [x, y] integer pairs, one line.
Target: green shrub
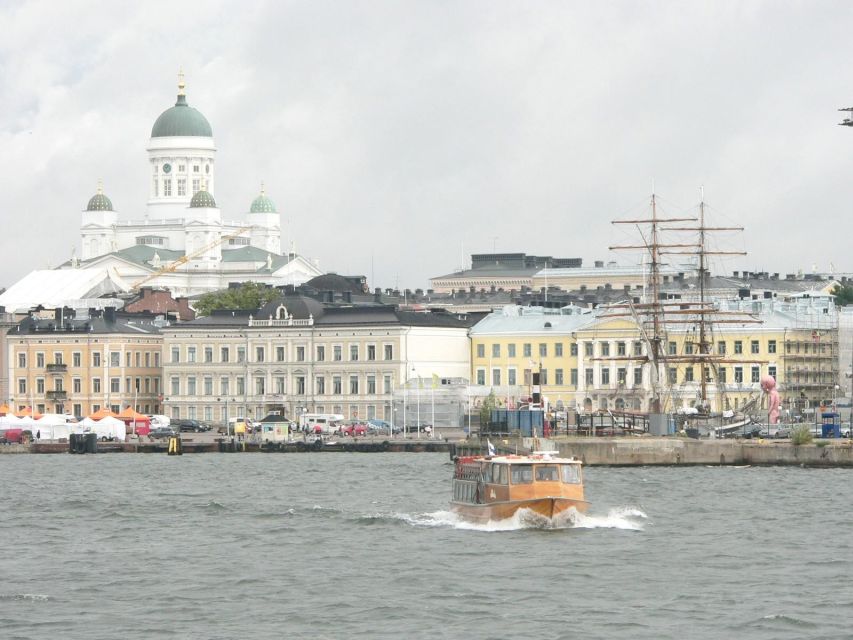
{"points": [[801, 434]]}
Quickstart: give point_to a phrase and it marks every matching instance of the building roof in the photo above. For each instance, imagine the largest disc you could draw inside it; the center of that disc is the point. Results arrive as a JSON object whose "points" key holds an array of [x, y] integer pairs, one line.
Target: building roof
{"points": [[108, 322], [262, 204], [181, 120], [57, 288], [533, 321], [99, 202]]}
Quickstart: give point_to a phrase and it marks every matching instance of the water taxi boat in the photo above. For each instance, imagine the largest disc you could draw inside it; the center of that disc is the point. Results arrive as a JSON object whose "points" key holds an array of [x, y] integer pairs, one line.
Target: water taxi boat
{"points": [[495, 487]]}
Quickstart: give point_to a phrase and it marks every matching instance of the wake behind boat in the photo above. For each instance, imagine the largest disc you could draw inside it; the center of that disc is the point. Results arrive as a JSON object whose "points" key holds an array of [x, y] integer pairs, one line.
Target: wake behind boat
{"points": [[496, 487]]}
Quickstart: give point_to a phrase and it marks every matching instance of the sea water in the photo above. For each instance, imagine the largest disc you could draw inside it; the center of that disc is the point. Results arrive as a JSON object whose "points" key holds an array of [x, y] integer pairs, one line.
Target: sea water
{"points": [[326, 545]]}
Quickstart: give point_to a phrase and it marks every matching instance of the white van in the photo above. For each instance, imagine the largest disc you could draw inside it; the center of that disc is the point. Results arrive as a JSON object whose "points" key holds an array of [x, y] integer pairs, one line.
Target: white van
{"points": [[327, 422]]}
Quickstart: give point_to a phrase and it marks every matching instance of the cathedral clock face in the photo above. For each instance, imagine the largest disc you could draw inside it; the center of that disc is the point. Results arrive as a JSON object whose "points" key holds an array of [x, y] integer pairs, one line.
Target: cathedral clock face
{"points": [[167, 168]]}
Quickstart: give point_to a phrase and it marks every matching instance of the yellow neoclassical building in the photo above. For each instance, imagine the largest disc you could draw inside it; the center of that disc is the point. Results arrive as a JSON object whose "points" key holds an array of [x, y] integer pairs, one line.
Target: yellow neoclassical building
{"points": [[593, 361]]}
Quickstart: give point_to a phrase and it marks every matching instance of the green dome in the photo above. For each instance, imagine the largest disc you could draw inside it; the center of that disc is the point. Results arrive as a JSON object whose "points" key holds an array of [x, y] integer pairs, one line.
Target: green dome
{"points": [[99, 202], [202, 200], [181, 120], [262, 204]]}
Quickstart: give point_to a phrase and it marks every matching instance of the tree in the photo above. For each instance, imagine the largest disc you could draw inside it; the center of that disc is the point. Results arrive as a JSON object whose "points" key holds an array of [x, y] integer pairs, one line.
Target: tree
{"points": [[249, 295], [489, 404], [843, 295]]}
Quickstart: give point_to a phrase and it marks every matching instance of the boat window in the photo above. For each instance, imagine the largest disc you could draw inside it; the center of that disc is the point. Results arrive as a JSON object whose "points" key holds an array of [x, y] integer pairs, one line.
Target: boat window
{"points": [[547, 473], [521, 474], [487, 473], [571, 474], [499, 474]]}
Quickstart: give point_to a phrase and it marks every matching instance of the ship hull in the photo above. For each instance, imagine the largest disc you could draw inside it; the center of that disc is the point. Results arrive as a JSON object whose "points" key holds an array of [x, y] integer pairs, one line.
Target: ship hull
{"points": [[548, 507]]}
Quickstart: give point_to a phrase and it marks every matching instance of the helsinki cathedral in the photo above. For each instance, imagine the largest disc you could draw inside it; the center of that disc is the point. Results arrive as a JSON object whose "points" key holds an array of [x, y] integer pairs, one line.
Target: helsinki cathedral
{"points": [[182, 241]]}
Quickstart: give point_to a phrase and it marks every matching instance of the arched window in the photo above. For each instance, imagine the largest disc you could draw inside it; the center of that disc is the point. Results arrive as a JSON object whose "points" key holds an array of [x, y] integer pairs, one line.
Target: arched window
{"points": [[620, 404], [281, 313], [587, 404], [602, 403]]}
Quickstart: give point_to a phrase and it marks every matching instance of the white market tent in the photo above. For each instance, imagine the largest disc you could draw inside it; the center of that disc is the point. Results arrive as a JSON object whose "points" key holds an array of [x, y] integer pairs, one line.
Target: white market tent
{"points": [[108, 427]]}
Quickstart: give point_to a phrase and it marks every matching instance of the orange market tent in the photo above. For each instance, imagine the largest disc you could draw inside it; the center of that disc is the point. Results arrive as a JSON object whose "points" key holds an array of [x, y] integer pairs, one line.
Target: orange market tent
{"points": [[4, 409], [137, 422], [102, 413], [28, 412]]}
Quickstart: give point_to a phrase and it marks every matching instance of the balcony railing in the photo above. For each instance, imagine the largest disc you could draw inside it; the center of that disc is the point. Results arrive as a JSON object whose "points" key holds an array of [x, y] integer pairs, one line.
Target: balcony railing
{"points": [[57, 367], [57, 395], [287, 322]]}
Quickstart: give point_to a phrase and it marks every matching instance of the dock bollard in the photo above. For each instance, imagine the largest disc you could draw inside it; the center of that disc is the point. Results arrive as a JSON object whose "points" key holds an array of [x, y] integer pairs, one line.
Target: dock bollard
{"points": [[175, 448]]}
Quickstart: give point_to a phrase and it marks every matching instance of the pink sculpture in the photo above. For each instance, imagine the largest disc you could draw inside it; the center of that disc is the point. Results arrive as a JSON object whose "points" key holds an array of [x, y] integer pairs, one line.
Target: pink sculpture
{"points": [[768, 385]]}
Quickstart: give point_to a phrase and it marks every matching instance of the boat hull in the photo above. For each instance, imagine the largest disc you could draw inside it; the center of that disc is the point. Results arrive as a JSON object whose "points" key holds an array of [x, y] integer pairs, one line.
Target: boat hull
{"points": [[548, 507]]}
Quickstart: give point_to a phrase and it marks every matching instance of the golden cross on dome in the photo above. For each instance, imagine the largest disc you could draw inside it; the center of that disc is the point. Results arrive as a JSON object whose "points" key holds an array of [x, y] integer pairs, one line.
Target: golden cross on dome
{"points": [[262, 188], [181, 84], [100, 186]]}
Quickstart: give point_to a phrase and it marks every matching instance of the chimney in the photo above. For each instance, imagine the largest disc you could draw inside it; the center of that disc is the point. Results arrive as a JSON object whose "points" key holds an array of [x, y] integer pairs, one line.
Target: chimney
{"points": [[109, 315], [736, 274]]}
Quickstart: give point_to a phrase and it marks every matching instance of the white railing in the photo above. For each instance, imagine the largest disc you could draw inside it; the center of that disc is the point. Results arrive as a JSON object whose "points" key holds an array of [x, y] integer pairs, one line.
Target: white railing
{"points": [[288, 322]]}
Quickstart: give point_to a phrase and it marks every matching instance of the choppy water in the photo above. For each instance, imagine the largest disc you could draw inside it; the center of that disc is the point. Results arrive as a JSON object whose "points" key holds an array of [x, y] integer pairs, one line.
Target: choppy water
{"points": [[362, 546]]}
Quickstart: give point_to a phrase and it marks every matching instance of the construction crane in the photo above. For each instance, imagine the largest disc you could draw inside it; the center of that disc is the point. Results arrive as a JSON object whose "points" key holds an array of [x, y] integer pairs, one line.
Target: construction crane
{"points": [[174, 266]]}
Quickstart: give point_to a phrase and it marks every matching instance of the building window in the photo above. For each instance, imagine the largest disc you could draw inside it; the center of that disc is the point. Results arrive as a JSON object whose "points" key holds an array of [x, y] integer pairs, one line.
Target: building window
{"points": [[208, 386], [191, 389], [300, 385], [573, 377], [605, 348], [771, 346], [156, 188], [337, 353], [638, 348], [496, 377], [543, 349], [224, 386], [371, 385], [337, 387], [353, 385], [588, 349], [389, 352], [511, 377], [543, 376], [739, 375], [22, 385], [182, 168], [167, 187], [528, 377], [115, 385], [321, 353], [22, 360], [300, 354], [620, 349], [76, 385], [371, 352], [481, 351], [672, 348], [208, 354], [353, 353], [638, 376], [39, 385], [771, 371], [510, 350], [259, 354], [688, 374], [190, 354], [738, 346], [241, 385], [387, 385], [721, 375], [481, 377], [496, 351], [688, 348], [756, 374], [260, 386], [558, 376], [588, 377], [605, 377], [241, 354], [621, 376], [96, 359], [196, 185], [671, 375], [182, 186], [573, 349], [527, 350], [224, 354], [721, 347], [40, 360], [96, 385], [753, 346], [321, 385]]}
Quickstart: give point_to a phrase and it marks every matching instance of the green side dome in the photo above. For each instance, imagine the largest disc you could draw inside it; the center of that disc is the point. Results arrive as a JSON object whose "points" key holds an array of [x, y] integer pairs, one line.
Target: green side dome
{"points": [[181, 120], [263, 204], [99, 202], [202, 200]]}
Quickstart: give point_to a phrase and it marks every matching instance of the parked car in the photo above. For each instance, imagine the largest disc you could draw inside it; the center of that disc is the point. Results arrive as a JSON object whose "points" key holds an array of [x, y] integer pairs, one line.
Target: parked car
{"points": [[782, 432], [352, 428], [381, 428], [162, 432], [192, 425]]}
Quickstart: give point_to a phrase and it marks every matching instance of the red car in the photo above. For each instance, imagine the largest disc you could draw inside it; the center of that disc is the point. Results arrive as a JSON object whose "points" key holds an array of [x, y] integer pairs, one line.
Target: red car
{"points": [[353, 428]]}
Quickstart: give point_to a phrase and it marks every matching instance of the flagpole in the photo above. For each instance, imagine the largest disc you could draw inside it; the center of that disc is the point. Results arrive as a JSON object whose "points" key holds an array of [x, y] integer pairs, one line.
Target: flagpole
{"points": [[432, 433]]}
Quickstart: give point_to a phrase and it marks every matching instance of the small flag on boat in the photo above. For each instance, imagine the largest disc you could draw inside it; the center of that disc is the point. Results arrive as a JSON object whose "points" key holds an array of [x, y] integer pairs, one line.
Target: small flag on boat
{"points": [[491, 447]]}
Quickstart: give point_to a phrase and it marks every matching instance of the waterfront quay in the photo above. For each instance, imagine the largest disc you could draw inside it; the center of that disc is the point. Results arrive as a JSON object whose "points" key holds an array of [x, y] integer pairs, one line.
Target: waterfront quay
{"points": [[601, 451]]}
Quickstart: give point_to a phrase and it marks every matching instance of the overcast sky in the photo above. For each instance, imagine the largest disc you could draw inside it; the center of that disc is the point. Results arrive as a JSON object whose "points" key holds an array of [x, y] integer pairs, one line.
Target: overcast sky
{"points": [[392, 135]]}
